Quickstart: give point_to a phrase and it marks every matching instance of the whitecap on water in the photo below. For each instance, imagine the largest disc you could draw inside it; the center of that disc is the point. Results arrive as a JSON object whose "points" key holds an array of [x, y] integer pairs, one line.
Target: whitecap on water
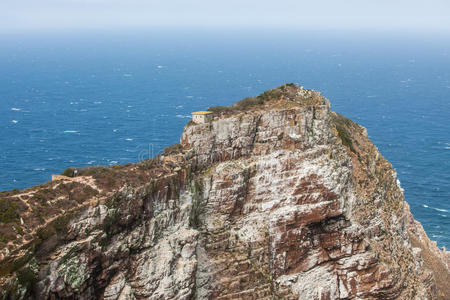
{"points": [[16, 109], [127, 75], [440, 209], [70, 131], [129, 139], [15, 121], [39, 169], [181, 116], [435, 208]]}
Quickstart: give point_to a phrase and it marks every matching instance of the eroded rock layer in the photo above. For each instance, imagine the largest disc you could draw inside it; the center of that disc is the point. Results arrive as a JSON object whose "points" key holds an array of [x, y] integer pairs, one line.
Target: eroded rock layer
{"points": [[277, 198]]}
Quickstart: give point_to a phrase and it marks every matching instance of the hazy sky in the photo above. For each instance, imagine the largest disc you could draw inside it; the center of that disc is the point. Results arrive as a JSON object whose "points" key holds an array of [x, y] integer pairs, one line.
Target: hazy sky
{"points": [[411, 15]]}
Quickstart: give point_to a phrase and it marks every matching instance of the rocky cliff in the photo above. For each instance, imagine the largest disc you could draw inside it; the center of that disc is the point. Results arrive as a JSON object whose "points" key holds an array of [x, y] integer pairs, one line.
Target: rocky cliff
{"points": [[277, 198]]}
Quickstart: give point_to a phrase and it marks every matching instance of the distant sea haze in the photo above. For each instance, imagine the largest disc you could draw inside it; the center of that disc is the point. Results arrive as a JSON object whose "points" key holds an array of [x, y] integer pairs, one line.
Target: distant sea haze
{"points": [[85, 99]]}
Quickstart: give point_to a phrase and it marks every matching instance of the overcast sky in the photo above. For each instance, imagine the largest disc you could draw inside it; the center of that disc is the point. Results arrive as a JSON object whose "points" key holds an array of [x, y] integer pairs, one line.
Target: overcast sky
{"points": [[411, 15]]}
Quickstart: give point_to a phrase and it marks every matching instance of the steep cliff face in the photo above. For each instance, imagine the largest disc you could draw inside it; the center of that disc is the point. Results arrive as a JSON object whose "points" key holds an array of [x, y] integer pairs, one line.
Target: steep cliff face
{"points": [[277, 198]]}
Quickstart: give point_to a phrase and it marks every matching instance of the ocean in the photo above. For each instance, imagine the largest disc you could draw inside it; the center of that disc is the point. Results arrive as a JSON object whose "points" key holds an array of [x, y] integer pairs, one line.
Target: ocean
{"points": [[103, 98]]}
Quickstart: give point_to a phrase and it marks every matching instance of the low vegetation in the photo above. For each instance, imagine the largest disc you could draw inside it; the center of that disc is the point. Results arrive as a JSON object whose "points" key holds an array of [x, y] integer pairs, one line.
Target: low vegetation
{"points": [[343, 126], [8, 211], [248, 102], [287, 94], [69, 172]]}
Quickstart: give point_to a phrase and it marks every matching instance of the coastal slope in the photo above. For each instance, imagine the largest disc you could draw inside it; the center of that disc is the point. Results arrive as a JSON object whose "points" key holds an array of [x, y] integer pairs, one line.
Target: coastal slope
{"points": [[277, 198]]}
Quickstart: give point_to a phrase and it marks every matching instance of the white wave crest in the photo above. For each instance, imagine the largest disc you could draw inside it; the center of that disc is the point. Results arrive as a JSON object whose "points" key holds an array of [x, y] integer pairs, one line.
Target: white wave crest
{"points": [[435, 208]]}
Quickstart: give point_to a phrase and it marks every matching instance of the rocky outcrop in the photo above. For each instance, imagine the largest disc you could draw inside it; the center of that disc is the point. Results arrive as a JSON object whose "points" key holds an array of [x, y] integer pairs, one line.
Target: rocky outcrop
{"points": [[277, 198]]}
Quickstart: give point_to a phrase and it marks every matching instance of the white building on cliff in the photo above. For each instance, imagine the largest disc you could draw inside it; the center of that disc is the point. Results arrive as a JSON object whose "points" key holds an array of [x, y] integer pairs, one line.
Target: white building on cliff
{"points": [[202, 117]]}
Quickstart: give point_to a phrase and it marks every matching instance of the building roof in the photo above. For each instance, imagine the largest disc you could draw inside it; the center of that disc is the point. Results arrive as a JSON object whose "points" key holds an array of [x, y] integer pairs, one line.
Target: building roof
{"points": [[202, 112]]}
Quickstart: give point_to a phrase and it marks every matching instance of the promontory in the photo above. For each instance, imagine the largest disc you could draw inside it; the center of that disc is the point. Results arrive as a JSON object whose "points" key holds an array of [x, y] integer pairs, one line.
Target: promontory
{"points": [[275, 197]]}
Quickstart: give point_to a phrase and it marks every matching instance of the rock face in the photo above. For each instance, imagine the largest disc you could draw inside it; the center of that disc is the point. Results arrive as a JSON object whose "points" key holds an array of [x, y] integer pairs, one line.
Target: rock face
{"points": [[277, 198]]}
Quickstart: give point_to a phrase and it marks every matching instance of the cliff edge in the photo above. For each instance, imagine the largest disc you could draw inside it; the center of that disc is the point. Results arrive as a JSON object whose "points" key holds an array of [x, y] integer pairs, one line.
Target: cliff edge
{"points": [[277, 198]]}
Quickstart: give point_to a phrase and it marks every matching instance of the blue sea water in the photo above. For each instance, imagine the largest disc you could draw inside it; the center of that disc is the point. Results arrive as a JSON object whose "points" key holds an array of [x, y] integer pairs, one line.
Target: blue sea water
{"points": [[91, 98]]}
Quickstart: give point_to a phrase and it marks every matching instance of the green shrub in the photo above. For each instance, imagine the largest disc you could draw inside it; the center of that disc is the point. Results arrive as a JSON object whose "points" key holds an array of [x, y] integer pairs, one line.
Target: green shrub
{"points": [[45, 233], [60, 224], [93, 171], [69, 172], [27, 277], [343, 125], [249, 102], [269, 95], [220, 109], [8, 211]]}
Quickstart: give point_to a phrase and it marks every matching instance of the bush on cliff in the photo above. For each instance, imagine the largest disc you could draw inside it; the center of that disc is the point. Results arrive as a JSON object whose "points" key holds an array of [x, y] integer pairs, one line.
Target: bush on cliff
{"points": [[69, 172], [343, 126], [8, 211], [220, 109], [252, 102]]}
